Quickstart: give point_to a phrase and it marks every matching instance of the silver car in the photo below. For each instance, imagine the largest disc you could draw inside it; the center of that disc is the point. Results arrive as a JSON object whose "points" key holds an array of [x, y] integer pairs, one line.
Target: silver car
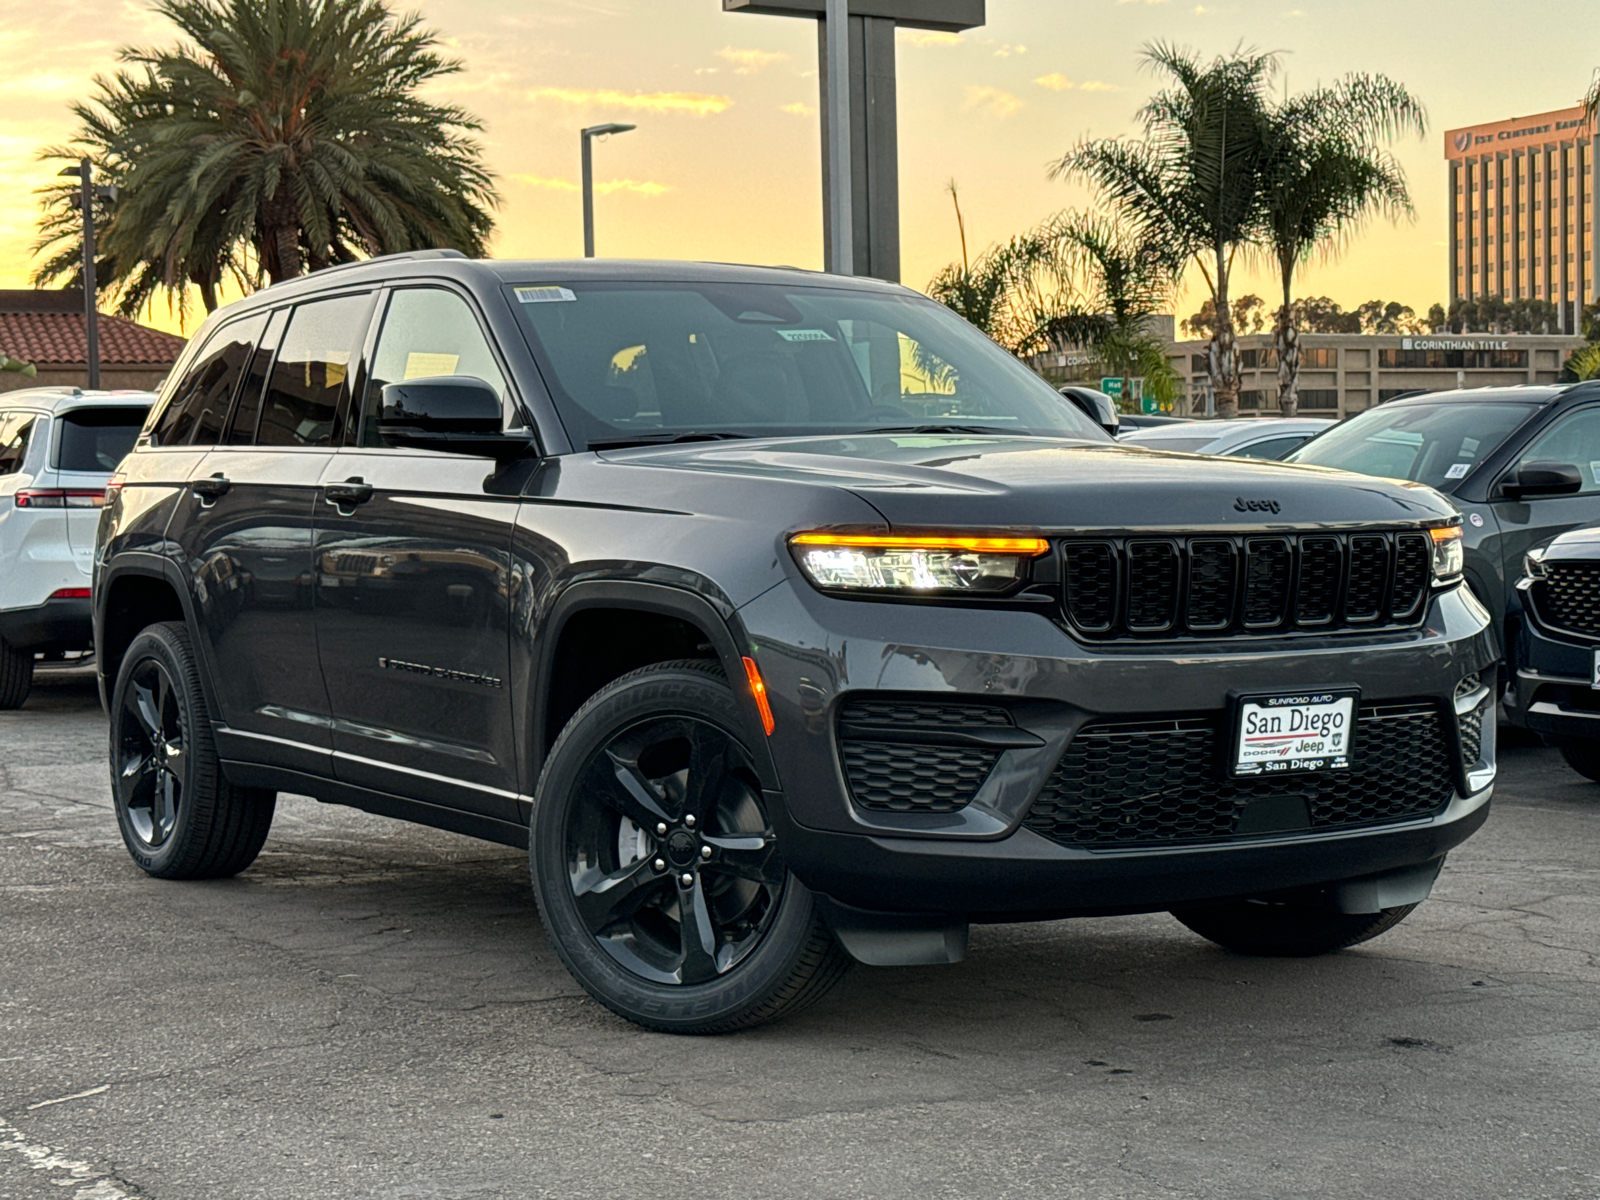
{"points": [[1249, 437]]}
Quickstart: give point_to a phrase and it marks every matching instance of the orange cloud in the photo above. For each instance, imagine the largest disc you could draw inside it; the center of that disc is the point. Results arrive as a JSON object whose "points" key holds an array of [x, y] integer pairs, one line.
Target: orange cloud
{"points": [[799, 109], [994, 101], [1055, 81], [646, 187], [931, 37], [693, 103], [748, 62]]}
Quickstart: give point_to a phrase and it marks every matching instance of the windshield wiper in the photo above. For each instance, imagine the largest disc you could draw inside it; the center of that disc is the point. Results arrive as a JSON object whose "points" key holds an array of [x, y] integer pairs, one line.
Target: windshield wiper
{"points": [[997, 429], [664, 439]]}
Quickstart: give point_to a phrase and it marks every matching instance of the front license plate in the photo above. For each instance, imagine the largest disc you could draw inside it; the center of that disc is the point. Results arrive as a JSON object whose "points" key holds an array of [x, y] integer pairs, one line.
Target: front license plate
{"points": [[1300, 731]]}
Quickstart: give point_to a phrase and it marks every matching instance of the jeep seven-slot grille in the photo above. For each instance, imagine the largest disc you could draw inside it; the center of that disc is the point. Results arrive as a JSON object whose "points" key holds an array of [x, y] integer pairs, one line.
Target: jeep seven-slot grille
{"points": [[1197, 586], [1568, 598], [1127, 783]]}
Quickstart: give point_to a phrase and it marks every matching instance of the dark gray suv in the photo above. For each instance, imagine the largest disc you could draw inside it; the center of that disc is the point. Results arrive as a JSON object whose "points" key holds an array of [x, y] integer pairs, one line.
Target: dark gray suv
{"points": [[785, 618]]}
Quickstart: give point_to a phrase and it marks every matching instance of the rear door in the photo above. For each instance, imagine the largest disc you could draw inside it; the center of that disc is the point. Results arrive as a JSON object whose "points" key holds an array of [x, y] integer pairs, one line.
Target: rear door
{"points": [[89, 443], [245, 525], [414, 583]]}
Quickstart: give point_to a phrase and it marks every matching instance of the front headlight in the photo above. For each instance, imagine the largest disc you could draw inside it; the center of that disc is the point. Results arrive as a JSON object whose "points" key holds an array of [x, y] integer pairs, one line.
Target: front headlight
{"points": [[930, 564], [1448, 553], [1533, 563]]}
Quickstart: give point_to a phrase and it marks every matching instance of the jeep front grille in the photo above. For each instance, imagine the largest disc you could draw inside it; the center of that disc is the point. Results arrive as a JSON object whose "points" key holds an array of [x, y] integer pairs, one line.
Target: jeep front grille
{"points": [[1210, 586]]}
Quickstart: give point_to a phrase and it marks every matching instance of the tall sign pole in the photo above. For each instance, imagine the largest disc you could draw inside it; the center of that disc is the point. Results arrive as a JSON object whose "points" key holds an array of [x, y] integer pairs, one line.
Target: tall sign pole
{"points": [[91, 310], [836, 112], [860, 139]]}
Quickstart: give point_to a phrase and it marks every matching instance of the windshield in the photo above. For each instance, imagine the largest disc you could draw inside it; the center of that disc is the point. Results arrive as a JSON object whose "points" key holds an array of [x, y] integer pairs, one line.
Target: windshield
{"points": [[97, 439], [640, 362], [1435, 444]]}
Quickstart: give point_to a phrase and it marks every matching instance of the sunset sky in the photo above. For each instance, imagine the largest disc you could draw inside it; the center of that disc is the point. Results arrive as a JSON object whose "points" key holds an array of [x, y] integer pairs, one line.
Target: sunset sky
{"points": [[725, 163]]}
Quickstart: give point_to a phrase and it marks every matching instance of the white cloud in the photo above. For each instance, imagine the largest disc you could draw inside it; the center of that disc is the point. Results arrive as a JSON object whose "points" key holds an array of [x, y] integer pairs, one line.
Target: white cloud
{"points": [[748, 62], [993, 100], [693, 103], [799, 109], [931, 37], [1055, 81], [637, 187], [1099, 85]]}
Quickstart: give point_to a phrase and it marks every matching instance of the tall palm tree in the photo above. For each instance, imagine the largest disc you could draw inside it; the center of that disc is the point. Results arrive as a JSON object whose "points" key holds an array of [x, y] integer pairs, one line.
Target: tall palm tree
{"points": [[280, 135], [1322, 174], [1193, 182]]}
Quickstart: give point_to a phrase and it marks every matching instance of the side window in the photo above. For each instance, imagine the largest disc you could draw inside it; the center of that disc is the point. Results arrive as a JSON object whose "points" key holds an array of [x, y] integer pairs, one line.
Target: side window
{"points": [[426, 331], [199, 405], [311, 376], [14, 431], [1575, 440], [247, 408], [1272, 448]]}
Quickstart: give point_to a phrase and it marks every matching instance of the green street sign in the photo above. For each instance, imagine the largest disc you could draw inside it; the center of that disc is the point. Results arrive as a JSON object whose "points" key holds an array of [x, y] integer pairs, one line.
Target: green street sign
{"points": [[1111, 386]]}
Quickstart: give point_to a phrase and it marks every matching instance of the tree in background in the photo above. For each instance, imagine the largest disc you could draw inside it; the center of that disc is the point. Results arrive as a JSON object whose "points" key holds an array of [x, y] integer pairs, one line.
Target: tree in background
{"points": [[1322, 175], [1249, 316], [1192, 184], [1495, 314], [279, 136], [1582, 363], [1316, 314], [15, 366]]}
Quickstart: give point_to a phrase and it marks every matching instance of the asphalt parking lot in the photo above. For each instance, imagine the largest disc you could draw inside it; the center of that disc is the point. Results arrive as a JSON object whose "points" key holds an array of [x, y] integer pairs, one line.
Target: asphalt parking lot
{"points": [[372, 1011]]}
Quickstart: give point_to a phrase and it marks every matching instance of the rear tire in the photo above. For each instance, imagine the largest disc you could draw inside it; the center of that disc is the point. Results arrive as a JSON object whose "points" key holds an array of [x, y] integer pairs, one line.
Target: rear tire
{"points": [[1286, 930], [16, 675], [1583, 757], [180, 818], [656, 866]]}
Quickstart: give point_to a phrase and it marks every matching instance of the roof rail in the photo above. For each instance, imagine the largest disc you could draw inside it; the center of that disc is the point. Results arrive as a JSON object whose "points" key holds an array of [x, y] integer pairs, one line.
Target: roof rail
{"points": [[401, 256], [1584, 387]]}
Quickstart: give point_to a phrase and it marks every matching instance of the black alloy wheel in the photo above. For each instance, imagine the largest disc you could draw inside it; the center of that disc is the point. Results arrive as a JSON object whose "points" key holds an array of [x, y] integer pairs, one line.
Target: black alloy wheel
{"points": [[149, 763], [180, 817], [657, 868]]}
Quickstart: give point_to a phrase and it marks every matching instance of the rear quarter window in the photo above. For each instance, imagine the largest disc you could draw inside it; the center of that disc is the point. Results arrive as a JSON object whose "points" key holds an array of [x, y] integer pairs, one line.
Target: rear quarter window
{"points": [[96, 439]]}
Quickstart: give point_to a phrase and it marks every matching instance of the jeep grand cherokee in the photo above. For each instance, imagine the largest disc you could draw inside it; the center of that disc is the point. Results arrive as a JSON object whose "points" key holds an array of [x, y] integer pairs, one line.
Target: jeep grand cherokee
{"points": [[784, 618]]}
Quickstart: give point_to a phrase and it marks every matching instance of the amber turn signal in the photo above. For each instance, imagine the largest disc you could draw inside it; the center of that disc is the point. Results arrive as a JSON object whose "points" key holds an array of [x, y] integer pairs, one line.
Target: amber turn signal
{"points": [[759, 689]]}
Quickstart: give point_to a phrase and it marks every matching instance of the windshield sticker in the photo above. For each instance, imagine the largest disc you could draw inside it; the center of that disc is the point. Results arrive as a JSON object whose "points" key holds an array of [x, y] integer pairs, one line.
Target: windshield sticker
{"points": [[421, 365], [1469, 447], [545, 295], [1594, 472], [1457, 470], [804, 335]]}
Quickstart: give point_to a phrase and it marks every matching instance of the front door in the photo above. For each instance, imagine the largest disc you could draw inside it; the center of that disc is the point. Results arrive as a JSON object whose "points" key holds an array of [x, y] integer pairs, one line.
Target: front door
{"points": [[413, 586], [1573, 439]]}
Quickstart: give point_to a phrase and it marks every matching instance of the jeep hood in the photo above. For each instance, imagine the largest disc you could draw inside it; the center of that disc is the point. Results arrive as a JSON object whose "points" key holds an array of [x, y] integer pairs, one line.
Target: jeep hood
{"points": [[971, 481]]}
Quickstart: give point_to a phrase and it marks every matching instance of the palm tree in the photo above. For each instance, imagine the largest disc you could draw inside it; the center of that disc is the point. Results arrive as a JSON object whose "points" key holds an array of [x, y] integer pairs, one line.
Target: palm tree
{"points": [[281, 135], [1322, 175], [1193, 183], [15, 366]]}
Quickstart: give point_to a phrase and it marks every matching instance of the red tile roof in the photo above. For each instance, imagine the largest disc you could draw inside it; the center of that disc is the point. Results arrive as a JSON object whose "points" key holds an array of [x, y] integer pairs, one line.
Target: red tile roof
{"points": [[53, 338]]}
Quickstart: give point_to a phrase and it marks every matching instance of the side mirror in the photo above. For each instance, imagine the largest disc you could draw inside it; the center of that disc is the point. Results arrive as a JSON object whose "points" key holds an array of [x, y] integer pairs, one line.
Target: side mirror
{"points": [[1543, 479], [1099, 407], [455, 413]]}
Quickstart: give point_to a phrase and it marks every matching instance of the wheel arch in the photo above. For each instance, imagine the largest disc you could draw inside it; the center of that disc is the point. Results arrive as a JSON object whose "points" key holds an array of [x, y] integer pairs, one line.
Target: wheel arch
{"points": [[577, 657], [132, 594]]}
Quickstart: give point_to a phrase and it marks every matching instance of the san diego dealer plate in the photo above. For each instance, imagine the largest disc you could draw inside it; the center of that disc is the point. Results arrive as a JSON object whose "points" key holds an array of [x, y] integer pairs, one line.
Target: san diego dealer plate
{"points": [[1301, 731]]}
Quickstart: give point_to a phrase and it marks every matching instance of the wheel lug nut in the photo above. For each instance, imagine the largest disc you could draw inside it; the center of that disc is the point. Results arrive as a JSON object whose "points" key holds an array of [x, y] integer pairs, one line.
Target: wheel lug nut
{"points": [[686, 879], [689, 820], [705, 851], [660, 864], [661, 829]]}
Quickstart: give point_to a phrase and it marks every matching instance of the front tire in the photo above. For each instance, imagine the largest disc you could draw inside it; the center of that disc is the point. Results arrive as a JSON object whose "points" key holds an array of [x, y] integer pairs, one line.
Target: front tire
{"points": [[180, 818], [1583, 757], [16, 675], [1286, 930], [656, 867]]}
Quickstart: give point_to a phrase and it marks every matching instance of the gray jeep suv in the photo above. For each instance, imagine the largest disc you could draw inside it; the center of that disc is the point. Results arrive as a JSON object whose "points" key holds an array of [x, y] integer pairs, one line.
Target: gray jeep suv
{"points": [[784, 618]]}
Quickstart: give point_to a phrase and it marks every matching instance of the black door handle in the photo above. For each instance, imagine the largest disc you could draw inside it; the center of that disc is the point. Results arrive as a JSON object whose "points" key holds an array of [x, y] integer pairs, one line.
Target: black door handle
{"points": [[351, 491], [211, 487]]}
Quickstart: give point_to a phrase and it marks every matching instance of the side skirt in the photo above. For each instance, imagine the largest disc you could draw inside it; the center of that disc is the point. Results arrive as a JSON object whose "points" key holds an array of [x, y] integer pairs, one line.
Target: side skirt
{"points": [[328, 791]]}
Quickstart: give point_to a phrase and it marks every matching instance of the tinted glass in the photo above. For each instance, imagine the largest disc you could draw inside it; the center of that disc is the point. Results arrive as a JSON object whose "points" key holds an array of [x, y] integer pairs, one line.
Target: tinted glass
{"points": [[426, 331], [1271, 448], [311, 375], [247, 407], [635, 361], [14, 432], [97, 439], [1573, 439], [1435, 444], [199, 405]]}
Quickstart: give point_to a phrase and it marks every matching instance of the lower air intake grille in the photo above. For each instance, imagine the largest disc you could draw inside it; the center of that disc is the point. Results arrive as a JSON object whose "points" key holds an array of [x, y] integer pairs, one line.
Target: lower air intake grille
{"points": [[1123, 784], [907, 777]]}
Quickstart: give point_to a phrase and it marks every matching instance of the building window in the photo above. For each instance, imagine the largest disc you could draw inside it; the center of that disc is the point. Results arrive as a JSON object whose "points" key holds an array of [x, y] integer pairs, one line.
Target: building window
{"points": [[1319, 398], [1251, 399], [1199, 364], [1434, 360], [1323, 357]]}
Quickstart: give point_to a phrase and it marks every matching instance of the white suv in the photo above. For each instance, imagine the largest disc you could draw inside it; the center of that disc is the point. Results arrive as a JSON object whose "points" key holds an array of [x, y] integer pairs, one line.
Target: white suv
{"points": [[58, 449]]}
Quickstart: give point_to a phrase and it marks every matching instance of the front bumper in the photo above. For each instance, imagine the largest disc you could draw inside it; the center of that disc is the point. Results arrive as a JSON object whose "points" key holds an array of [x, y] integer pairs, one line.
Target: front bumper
{"points": [[817, 653], [1554, 693], [53, 625]]}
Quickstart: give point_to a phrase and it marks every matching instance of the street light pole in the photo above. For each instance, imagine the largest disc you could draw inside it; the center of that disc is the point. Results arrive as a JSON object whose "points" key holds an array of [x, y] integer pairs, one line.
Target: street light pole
{"points": [[841, 227], [91, 314], [584, 137]]}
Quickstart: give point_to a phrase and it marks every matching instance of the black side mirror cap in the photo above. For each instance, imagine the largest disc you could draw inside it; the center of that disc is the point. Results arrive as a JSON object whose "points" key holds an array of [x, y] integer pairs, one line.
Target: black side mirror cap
{"points": [[1543, 479], [457, 414], [1097, 406]]}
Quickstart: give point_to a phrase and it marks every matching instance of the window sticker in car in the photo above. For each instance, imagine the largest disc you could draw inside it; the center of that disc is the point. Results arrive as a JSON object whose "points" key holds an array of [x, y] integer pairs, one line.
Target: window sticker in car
{"points": [[422, 365], [1457, 470], [804, 335], [545, 295]]}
